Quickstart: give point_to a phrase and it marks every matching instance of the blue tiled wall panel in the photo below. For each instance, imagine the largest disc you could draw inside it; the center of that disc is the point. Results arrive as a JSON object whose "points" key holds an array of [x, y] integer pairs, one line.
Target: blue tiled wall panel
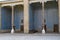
{"points": [[35, 17], [6, 18], [18, 16], [51, 16], [30, 18]]}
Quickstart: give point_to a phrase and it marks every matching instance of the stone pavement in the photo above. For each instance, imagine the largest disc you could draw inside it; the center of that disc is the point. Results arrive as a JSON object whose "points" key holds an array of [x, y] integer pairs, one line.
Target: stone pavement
{"points": [[36, 36]]}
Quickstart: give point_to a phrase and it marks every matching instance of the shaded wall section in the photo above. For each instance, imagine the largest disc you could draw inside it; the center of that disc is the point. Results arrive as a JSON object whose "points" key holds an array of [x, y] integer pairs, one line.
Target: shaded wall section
{"points": [[6, 18]]}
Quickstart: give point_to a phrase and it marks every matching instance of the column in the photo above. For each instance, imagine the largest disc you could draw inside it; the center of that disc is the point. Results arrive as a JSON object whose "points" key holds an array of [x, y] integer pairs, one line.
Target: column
{"points": [[59, 13], [43, 19], [12, 16], [26, 16], [43, 14]]}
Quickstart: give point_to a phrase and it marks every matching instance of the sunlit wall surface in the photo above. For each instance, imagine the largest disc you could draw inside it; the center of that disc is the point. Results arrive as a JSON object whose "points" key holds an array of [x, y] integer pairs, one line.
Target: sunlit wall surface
{"points": [[5, 0], [2, 0], [8, 0]]}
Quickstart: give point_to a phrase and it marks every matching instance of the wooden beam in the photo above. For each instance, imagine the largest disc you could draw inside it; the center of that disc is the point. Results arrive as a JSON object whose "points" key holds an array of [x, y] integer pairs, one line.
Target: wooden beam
{"points": [[26, 16]]}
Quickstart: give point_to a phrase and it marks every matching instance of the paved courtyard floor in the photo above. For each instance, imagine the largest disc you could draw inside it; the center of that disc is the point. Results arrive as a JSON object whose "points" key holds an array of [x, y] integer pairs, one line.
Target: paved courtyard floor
{"points": [[36, 36]]}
